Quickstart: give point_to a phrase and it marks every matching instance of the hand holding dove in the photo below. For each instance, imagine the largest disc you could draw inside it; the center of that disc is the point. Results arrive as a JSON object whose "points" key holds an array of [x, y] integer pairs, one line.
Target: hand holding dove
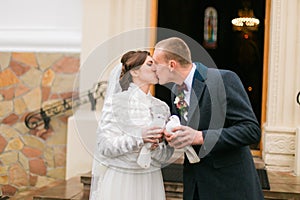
{"points": [[182, 142], [151, 138]]}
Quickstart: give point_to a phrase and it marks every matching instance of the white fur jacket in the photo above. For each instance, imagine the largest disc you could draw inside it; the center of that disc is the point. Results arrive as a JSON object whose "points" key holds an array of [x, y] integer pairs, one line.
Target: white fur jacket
{"points": [[119, 135]]}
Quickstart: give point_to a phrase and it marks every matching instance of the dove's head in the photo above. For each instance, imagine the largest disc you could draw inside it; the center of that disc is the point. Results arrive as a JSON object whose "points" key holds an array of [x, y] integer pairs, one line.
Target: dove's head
{"points": [[174, 118]]}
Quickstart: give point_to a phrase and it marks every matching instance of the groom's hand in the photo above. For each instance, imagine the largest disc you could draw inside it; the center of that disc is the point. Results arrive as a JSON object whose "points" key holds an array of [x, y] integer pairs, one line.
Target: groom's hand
{"points": [[184, 136]]}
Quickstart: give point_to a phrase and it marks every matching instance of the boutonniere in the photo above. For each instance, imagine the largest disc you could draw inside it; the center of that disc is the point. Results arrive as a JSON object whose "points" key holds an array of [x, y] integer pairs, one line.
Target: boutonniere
{"points": [[181, 105]]}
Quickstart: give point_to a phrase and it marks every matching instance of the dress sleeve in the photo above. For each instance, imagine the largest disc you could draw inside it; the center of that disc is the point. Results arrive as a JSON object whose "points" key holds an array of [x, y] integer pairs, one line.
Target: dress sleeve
{"points": [[111, 140], [162, 153]]}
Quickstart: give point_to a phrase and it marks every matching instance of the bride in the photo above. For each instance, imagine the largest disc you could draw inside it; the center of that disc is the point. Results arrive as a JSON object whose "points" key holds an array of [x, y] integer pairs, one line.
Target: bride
{"points": [[130, 145]]}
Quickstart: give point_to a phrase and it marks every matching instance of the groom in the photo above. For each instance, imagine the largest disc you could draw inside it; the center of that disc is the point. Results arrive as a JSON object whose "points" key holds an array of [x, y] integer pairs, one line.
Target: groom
{"points": [[219, 123]]}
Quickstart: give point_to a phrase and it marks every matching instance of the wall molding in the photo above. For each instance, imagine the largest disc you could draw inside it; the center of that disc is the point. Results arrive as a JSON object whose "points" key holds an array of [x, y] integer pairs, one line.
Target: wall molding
{"points": [[40, 40], [280, 129], [297, 152], [41, 26], [274, 59]]}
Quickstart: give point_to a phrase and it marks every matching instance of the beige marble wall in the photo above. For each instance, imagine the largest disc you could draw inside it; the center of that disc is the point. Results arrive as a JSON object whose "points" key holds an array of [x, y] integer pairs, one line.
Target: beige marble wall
{"points": [[29, 81], [103, 22]]}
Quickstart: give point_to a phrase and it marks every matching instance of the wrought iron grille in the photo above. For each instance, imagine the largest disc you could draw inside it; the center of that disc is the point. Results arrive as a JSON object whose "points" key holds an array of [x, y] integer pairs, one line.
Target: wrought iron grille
{"points": [[42, 116]]}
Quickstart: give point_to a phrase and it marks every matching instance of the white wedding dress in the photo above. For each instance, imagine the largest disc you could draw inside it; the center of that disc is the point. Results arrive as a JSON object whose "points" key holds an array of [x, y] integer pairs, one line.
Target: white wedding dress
{"points": [[116, 174]]}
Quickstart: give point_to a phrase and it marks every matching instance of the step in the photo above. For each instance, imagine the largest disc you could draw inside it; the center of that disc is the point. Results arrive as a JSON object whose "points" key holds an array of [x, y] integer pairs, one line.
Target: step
{"points": [[283, 185], [58, 190], [67, 190], [173, 190], [86, 179]]}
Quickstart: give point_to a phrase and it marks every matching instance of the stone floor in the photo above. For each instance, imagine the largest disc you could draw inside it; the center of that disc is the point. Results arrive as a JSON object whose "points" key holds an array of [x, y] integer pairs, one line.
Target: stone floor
{"points": [[63, 190], [283, 185]]}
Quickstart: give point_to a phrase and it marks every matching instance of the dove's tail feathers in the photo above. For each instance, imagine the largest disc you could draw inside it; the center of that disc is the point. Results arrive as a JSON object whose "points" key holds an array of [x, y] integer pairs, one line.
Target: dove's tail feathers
{"points": [[191, 154], [144, 158]]}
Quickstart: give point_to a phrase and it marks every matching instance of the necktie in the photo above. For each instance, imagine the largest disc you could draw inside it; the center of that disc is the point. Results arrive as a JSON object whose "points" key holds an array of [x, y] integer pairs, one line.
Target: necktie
{"points": [[180, 103]]}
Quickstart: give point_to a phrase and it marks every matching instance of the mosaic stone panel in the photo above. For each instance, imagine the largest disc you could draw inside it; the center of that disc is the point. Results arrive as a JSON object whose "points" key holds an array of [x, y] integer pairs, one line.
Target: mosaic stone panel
{"points": [[28, 81]]}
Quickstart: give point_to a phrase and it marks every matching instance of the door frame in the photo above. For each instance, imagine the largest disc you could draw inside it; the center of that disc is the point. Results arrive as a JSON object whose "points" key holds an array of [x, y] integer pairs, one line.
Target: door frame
{"points": [[256, 153], [265, 75]]}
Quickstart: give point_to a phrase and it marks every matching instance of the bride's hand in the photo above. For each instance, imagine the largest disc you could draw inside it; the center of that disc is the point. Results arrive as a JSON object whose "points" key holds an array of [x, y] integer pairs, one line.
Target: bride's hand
{"points": [[152, 135], [153, 146]]}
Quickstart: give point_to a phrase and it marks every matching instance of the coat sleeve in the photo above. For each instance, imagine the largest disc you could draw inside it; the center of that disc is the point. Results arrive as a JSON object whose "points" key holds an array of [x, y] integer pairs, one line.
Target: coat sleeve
{"points": [[112, 141], [235, 124]]}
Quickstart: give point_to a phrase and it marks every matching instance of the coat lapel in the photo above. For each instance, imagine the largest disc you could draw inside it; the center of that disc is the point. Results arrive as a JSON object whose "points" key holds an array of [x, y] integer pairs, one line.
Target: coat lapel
{"points": [[173, 96], [198, 86]]}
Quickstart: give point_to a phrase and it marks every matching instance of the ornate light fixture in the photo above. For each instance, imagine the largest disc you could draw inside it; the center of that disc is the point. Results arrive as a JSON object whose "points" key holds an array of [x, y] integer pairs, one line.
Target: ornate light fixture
{"points": [[246, 21]]}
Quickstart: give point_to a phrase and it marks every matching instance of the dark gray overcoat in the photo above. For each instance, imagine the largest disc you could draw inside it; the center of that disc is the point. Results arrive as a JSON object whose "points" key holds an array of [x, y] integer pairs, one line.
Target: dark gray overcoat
{"points": [[220, 108]]}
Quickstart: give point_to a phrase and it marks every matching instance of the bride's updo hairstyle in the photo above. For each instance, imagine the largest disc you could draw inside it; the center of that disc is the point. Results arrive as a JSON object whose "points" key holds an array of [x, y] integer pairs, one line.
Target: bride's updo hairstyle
{"points": [[130, 61]]}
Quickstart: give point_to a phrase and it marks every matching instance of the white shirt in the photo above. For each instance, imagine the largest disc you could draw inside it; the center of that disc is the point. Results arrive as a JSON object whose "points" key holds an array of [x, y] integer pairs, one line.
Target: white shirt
{"points": [[188, 81]]}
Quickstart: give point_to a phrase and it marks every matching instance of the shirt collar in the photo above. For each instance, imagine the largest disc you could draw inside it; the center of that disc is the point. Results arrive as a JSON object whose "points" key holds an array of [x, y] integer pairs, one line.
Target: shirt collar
{"points": [[189, 79]]}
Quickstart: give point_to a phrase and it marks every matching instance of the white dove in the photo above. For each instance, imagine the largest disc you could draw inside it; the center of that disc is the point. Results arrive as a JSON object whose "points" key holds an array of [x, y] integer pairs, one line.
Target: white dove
{"points": [[144, 158], [189, 151]]}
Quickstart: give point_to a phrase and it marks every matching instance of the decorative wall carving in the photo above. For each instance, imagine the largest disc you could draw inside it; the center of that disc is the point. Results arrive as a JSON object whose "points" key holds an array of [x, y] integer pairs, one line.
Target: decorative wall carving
{"points": [[280, 143]]}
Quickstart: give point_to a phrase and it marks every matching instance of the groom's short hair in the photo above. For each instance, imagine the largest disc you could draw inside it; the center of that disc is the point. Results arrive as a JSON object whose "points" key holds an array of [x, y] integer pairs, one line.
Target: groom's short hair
{"points": [[176, 49]]}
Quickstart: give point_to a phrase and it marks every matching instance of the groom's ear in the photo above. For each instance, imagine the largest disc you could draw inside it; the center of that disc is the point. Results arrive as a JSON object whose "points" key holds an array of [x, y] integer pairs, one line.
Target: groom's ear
{"points": [[172, 65]]}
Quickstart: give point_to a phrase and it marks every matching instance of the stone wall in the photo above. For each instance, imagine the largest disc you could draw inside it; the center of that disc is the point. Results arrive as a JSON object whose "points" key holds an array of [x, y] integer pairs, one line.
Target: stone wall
{"points": [[29, 81]]}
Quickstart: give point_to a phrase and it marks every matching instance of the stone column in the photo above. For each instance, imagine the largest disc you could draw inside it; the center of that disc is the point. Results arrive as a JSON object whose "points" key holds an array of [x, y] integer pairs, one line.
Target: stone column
{"points": [[102, 22], [283, 113]]}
